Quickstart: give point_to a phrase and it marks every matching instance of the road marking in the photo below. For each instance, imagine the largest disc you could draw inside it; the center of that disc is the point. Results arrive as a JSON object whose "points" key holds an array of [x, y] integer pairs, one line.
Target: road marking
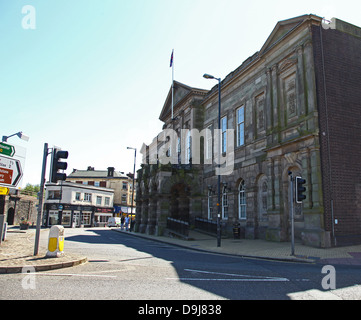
{"points": [[245, 277], [234, 280], [70, 275], [236, 275]]}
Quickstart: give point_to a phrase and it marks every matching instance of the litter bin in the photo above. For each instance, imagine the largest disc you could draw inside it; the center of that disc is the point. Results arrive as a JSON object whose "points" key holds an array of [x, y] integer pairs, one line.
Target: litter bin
{"points": [[236, 231], [56, 242]]}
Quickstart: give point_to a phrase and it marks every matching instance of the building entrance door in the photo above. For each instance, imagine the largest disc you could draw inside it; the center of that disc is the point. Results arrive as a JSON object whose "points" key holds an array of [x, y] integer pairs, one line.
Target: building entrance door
{"points": [[76, 219]]}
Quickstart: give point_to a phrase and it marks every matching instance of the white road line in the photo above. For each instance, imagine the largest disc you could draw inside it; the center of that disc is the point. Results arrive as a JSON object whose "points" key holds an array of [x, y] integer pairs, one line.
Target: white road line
{"points": [[68, 275], [234, 280], [254, 278]]}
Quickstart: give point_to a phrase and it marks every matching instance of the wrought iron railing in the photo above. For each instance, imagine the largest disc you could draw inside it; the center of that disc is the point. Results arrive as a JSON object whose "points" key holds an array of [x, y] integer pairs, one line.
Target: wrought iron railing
{"points": [[178, 226], [209, 226]]}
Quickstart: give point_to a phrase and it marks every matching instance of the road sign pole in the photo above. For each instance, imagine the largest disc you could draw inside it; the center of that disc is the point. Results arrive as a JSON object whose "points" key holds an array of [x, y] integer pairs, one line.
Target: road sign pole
{"points": [[41, 194], [2, 215]]}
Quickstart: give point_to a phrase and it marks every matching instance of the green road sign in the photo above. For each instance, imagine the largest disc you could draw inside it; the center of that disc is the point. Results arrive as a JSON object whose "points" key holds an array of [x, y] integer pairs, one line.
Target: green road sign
{"points": [[7, 149]]}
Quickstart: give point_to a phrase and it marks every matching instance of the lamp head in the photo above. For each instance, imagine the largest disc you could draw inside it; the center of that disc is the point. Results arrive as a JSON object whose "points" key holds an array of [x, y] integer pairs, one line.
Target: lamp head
{"points": [[22, 136], [208, 76]]}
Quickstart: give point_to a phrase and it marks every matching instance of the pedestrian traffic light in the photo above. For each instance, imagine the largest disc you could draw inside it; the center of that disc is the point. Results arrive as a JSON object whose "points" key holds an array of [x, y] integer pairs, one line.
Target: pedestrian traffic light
{"points": [[300, 189], [57, 165]]}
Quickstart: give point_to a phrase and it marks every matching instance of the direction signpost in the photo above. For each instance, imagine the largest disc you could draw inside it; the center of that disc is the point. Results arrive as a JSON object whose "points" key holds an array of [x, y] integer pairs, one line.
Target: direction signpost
{"points": [[12, 160], [10, 172], [7, 149]]}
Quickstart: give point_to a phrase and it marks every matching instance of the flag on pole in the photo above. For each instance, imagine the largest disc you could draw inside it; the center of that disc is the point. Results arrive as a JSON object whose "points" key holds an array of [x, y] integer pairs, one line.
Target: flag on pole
{"points": [[171, 59]]}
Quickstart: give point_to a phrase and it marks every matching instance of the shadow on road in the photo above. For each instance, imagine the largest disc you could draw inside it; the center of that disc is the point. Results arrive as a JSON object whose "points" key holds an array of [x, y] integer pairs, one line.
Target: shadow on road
{"points": [[233, 278]]}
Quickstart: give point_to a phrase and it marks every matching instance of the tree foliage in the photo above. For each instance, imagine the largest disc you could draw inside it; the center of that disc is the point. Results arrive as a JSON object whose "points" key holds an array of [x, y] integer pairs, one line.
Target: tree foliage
{"points": [[31, 189]]}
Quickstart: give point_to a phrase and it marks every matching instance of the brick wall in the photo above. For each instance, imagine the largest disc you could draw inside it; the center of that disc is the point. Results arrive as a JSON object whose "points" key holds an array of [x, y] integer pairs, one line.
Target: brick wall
{"points": [[338, 82]]}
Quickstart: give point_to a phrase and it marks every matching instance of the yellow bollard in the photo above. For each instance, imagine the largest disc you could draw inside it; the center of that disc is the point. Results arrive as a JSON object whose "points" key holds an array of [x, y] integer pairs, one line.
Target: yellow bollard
{"points": [[56, 242]]}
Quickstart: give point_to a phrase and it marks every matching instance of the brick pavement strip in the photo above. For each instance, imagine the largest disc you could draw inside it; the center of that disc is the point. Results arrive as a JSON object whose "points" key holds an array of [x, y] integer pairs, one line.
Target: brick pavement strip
{"points": [[16, 252]]}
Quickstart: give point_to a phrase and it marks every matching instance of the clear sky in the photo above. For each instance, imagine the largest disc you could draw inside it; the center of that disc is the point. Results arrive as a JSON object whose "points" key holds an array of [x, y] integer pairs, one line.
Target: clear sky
{"points": [[93, 75]]}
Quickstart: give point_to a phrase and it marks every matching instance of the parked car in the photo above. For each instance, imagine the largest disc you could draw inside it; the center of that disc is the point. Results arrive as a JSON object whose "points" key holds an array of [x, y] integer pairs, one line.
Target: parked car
{"points": [[114, 222]]}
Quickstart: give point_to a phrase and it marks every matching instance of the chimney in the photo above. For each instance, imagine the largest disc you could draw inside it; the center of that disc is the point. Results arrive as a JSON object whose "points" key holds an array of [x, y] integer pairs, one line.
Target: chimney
{"points": [[111, 171]]}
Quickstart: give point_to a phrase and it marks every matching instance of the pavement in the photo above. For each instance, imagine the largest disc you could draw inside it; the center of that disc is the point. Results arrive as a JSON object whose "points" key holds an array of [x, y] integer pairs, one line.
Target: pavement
{"points": [[16, 252], [262, 249]]}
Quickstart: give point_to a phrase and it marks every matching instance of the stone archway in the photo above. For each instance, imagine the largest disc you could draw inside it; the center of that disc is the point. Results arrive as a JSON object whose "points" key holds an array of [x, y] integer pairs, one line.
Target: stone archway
{"points": [[11, 216], [180, 202]]}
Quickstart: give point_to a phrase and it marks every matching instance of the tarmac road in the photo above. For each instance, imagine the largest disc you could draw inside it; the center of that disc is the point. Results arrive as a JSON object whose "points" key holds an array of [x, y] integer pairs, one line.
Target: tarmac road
{"points": [[126, 267]]}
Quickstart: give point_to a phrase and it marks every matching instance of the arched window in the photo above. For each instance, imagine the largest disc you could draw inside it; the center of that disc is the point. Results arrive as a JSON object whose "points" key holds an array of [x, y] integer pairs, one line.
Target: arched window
{"points": [[264, 196], [242, 214], [224, 203]]}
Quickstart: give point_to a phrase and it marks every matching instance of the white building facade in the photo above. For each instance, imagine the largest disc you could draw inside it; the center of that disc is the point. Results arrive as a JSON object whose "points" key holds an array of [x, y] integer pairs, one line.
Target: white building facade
{"points": [[75, 205]]}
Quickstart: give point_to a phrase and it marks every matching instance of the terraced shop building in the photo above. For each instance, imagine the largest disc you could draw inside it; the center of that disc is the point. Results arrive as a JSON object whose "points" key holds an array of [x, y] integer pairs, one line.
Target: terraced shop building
{"points": [[292, 106], [121, 183]]}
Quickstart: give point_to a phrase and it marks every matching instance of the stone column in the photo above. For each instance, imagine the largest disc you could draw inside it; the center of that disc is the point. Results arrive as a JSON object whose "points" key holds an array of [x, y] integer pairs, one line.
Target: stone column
{"points": [[163, 208], [271, 194], [273, 232], [305, 158], [316, 179], [300, 82], [275, 109], [152, 216], [310, 77], [144, 217], [277, 182], [269, 118]]}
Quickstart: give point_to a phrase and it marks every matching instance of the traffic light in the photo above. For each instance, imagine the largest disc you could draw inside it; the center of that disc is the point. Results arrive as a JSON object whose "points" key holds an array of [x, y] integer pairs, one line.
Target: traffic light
{"points": [[57, 165], [300, 189]]}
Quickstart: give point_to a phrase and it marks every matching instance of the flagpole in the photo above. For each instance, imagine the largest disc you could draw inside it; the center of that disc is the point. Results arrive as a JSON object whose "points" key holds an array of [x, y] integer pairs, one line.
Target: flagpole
{"points": [[172, 65], [172, 83]]}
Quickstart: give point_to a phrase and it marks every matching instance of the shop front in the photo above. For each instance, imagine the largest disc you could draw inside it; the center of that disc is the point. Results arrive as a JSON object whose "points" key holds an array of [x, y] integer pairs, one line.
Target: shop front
{"points": [[101, 216], [73, 216], [68, 215]]}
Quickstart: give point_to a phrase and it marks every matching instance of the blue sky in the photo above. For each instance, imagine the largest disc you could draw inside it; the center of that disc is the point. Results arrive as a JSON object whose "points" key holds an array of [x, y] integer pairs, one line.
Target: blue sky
{"points": [[92, 77]]}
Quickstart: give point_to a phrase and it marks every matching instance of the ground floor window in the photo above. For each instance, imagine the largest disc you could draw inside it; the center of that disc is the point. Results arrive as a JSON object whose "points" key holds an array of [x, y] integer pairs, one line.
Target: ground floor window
{"points": [[102, 218], [66, 218], [242, 214], [87, 218], [53, 218]]}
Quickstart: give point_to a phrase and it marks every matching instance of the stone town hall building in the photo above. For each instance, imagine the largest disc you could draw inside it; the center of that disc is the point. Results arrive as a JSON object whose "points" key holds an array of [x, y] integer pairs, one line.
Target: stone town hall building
{"points": [[295, 105]]}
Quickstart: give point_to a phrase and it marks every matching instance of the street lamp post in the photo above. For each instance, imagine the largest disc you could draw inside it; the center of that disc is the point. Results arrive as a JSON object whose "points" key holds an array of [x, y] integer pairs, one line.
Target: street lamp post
{"points": [[208, 76], [133, 186]]}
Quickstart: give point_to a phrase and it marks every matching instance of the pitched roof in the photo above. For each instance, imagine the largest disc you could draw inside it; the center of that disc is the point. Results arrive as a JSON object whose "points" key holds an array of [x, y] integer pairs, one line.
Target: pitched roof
{"points": [[181, 91], [283, 28], [55, 186], [280, 31], [96, 174]]}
